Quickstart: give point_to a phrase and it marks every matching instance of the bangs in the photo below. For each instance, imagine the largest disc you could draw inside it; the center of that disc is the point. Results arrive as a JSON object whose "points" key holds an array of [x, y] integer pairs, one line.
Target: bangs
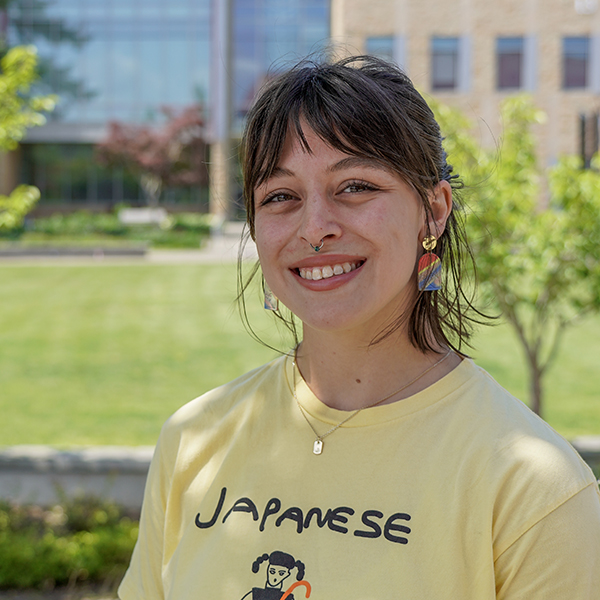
{"points": [[350, 112]]}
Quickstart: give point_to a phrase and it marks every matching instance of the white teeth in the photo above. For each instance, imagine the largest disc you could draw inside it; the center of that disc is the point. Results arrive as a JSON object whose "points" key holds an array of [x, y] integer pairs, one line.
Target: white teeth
{"points": [[317, 273]]}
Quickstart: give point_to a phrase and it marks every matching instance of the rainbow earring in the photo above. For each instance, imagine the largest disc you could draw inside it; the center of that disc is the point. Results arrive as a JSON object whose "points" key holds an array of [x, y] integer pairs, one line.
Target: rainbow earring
{"points": [[430, 267], [271, 300]]}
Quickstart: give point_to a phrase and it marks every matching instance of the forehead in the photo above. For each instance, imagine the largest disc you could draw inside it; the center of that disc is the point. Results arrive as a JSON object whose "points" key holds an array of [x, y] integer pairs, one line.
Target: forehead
{"points": [[308, 144]]}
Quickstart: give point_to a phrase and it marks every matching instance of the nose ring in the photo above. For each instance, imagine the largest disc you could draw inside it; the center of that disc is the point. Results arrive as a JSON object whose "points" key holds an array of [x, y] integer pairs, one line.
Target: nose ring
{"points": [[318, 247]]}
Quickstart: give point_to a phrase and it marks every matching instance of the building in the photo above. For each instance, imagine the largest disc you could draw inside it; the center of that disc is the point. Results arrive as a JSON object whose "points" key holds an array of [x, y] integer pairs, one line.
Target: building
{"points": [[472, 54], [124, 60]]}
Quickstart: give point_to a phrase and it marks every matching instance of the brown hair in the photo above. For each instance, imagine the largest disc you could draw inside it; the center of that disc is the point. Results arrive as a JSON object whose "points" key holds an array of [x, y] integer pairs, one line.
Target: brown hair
{"points": [[367, 107]]}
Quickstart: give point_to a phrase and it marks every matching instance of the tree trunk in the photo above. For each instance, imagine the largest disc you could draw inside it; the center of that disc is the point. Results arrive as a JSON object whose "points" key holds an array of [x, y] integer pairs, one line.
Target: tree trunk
{"points": [[152, 186], [535, 386]]}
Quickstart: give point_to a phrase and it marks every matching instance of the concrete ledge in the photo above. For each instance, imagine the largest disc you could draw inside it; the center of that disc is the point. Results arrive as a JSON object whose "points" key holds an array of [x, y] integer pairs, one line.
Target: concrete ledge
{"points": [[589, 448], [44, 475]]}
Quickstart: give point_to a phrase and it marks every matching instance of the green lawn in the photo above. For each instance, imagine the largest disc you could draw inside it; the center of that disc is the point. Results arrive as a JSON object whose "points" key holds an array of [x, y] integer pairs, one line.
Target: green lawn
{"points": [[104, 354]]}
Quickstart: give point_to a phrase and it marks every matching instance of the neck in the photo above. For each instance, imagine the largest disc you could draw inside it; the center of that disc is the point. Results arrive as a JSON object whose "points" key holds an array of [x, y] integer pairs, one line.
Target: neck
{"points": [[347, 375]]}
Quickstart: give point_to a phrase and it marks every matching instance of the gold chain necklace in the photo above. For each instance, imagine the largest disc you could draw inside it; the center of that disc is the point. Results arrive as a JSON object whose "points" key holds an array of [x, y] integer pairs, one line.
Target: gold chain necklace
{"points": [[318, 443]]}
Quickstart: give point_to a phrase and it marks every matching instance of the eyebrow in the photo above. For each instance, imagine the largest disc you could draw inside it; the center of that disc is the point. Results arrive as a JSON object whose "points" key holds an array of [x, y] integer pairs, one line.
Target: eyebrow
{"points": [[357, 161], [345, 163]]}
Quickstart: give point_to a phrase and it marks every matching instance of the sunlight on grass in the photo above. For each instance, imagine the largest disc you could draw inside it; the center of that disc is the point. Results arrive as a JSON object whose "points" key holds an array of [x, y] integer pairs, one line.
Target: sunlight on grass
{"points": [[104, 354]]}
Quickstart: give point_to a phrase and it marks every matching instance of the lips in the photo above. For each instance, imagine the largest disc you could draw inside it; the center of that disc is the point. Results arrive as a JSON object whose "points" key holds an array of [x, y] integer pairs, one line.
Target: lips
{"points": [[327, 271]]}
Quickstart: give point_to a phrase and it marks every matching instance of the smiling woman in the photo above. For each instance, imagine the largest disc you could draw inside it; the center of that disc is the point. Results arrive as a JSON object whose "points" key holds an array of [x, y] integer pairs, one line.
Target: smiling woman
{"points": [[374, 455]]}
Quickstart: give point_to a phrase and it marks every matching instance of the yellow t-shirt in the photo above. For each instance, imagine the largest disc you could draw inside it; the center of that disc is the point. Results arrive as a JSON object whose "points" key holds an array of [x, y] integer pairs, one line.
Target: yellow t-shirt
{"points": [[458, 492]]}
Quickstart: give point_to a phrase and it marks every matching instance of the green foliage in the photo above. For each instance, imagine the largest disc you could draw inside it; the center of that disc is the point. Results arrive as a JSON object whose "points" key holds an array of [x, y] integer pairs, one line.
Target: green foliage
{"points": [[81, 540], [537, 258], [79, 223], [184, 230], [15, 207], [18, 111]]}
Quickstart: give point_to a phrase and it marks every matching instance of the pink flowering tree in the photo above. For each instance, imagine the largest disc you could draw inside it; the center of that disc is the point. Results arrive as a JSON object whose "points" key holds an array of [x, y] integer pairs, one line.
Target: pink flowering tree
{"points": [[171, 155]]}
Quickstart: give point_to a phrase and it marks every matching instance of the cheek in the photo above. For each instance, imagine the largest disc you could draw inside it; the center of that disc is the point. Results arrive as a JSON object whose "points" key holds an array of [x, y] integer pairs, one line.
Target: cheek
{"points": [[269, 246], [270, 237]]}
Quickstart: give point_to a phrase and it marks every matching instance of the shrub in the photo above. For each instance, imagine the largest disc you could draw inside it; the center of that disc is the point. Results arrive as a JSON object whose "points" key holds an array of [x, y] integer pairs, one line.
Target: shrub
{"points": [[185, 230], [80, 223], [84, 540]]}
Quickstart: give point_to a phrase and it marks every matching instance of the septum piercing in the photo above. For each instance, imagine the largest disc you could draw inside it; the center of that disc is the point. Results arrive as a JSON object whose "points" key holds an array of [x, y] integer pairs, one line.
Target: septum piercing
{"points": [[317, 248]]}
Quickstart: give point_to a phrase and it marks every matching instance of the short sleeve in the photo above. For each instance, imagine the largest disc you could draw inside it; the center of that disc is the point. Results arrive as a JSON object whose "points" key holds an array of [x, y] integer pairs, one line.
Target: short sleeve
{"points": [[558, 558], [143, 580]]}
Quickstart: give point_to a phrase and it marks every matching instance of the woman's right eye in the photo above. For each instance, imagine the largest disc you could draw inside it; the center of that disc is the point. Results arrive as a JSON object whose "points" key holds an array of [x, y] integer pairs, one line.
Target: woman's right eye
{"points": [[276, 197]]}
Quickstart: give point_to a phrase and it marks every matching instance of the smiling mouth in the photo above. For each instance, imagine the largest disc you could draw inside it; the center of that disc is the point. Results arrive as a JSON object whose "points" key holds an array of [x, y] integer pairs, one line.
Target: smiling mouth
{"points": [[327, 271]]}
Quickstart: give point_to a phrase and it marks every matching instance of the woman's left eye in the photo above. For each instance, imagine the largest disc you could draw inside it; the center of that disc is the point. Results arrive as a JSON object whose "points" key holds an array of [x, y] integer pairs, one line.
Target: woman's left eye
{"points": [[354, 187]]}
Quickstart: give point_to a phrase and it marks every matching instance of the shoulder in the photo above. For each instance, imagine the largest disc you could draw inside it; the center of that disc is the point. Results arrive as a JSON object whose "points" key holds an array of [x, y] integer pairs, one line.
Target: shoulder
{"points": [[516, 457], [494, 418], [225, 404]]}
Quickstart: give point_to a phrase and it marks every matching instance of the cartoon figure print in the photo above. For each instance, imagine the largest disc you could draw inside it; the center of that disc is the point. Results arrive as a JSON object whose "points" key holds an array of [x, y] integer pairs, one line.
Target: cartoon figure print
{"points": [[279, 568]]}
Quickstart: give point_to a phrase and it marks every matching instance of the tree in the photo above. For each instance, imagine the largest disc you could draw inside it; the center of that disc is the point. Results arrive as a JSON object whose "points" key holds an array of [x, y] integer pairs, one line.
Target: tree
{"points": [[17, 113], [173, 155], [535, 233], [18, 27]]}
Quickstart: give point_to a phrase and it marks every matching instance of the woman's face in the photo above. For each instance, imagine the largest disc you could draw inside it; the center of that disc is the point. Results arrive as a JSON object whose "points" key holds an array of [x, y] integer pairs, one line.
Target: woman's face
{"points": [[371, 223], [276, 574]]}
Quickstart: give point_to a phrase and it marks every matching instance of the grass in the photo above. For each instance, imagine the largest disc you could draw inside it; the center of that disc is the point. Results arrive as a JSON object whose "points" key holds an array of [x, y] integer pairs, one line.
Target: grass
{"points": [[104, 354]]}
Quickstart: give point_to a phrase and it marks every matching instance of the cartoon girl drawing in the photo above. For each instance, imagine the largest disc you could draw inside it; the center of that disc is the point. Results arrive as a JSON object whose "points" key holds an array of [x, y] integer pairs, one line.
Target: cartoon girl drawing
{"points": [[278, 570]]}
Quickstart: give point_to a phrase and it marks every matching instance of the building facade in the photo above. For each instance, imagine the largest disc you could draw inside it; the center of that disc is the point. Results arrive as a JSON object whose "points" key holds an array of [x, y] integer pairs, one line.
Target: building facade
{"points": [[124, 60], [472, 54]]}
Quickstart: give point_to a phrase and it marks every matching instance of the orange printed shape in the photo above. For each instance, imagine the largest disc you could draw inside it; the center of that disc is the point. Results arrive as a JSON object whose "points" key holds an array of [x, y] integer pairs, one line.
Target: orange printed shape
{"points": [[294, 586]]}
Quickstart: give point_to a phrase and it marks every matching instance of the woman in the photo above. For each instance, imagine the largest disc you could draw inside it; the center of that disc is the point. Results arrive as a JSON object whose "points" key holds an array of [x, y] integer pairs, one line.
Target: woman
{"points": [[375, 453]]}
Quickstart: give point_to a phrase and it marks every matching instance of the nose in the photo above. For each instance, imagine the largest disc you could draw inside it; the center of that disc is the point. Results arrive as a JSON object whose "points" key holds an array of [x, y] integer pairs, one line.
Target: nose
{"points": [[319, 221]]}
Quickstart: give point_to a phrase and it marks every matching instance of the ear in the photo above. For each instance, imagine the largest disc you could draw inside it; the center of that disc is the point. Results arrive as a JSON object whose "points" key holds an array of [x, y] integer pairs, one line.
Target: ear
{"points": [[440, 201]]}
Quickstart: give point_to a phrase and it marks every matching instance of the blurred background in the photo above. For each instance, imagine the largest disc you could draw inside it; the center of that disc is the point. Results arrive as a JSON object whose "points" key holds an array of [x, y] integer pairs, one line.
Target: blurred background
{"points": [[121, 213], [124, 61]]}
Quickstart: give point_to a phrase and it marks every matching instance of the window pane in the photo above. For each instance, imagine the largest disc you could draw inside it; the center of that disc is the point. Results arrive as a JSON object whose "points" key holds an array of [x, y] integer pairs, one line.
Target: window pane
{"points": [[270, 35], [509, 52], [444, 67], [575, 62], [380, 46]]}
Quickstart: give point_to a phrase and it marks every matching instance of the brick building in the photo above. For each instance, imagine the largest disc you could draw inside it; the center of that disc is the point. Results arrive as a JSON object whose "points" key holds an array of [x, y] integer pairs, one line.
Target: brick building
{"points": [[473, 53]]}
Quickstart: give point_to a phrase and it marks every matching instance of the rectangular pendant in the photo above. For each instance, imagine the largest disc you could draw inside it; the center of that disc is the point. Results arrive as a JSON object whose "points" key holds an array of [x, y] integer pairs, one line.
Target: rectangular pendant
{"points": [[318, 447]]}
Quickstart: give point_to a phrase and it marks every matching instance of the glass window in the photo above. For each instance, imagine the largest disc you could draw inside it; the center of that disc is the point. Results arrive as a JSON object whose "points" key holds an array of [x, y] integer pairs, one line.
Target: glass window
{"points": [[380, 46], [270, 35], [444, 63], [576, 56], [117, 60], [509, 62]]}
